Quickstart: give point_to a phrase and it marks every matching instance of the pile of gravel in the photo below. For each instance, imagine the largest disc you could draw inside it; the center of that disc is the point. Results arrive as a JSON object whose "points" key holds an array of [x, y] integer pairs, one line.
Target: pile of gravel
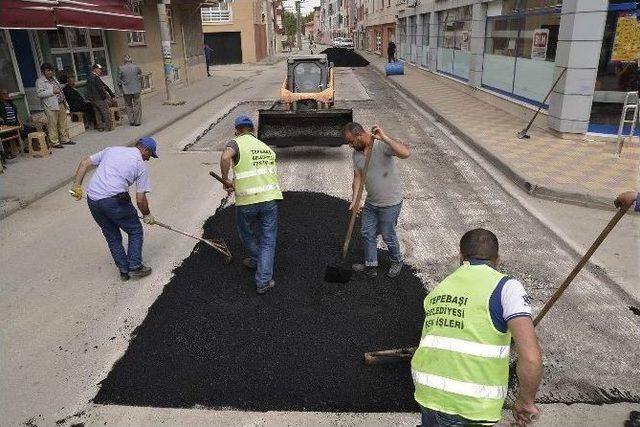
{"points": [[210, 340], [345, 58]]}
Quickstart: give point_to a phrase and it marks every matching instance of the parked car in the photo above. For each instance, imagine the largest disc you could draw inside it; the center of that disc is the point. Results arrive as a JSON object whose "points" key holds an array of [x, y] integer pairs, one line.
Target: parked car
{"points": [[347, 43], [343, 43]]}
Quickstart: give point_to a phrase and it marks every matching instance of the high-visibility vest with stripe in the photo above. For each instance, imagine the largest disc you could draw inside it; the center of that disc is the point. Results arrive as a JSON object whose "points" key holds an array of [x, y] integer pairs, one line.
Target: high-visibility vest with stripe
{"points": [[255, 176], [462, 363]]}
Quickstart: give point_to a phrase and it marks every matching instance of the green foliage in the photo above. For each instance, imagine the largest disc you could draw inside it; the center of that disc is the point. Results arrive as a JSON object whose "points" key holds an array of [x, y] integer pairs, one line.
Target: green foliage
{"points": [[289, 22]]}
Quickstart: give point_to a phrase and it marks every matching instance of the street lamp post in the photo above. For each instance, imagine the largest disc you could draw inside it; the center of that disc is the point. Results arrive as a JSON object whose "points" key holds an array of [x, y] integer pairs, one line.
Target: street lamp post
{"points": [[298, 22]]}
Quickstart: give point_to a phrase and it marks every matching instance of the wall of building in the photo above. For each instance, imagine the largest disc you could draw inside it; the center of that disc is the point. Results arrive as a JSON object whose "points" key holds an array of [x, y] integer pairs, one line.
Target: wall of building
{"points": [[245, 17], [148, 55]]}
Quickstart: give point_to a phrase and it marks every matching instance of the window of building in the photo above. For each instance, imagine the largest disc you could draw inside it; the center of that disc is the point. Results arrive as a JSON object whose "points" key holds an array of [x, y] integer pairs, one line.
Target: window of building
{"points": [[136, 38], [147, 82], [402, 37], [425, 29], [617, 69], [520, 49], [454, 40], [170, 22], [215, 14], [8, 78], [413, 29], [72, 51]]}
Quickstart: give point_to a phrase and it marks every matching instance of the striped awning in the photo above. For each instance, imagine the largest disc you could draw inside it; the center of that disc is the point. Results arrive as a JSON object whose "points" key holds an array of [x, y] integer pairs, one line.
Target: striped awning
{"points": [[41, 14]]}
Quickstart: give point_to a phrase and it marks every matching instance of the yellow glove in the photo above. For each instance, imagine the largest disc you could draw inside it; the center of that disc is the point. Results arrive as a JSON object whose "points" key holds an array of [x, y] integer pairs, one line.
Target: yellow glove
{"points": [[149, 219], [76, 192]]}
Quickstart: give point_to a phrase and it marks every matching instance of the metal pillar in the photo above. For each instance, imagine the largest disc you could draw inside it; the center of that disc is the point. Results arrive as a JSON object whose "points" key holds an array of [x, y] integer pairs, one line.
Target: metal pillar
{"points": [[268, 9], [298, 22], [165, 45]]}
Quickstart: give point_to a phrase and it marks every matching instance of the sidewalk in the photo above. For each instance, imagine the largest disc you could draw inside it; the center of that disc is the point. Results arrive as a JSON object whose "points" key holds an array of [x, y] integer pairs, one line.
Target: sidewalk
{"points": [[26, 179], [545, 166]]}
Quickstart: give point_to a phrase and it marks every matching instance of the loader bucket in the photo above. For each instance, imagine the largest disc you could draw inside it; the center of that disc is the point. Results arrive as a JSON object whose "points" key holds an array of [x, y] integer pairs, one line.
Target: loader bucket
{"points": [[306, 127]]}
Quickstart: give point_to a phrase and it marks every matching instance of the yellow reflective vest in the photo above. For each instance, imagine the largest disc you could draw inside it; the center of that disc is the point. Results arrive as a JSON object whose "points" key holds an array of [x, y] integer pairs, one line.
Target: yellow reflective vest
{"points": [[255, 176], [461, 366]]}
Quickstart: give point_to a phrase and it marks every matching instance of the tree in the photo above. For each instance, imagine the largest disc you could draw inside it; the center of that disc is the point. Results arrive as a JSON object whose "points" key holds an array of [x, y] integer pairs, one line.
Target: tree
{"points": [[289, 22]]}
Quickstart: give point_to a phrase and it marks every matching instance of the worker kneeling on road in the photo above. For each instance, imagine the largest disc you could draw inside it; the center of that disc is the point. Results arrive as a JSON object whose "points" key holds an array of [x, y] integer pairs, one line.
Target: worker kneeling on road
{"points": [[255, 182], [461, 368], [110, 203], [384, 193]]}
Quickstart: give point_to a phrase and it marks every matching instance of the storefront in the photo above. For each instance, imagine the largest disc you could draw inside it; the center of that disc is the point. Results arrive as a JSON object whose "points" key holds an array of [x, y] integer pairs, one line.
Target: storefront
{"points": [[520, 48], [617, 68], [70, 35]]}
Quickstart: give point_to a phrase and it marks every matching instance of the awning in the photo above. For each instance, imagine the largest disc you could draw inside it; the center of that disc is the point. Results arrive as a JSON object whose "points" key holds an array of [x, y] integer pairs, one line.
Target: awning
{"points": [[41, 14], [102, 14], [37, 14]]}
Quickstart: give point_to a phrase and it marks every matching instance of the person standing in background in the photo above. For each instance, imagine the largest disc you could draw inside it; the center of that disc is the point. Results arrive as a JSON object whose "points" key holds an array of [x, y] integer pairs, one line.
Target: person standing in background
{"points": [[100, 96], [54, 105], [130, 83]]}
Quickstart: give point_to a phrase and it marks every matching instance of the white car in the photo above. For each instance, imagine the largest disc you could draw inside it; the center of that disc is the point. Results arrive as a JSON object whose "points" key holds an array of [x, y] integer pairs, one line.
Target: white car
{"points": [[343, 43]]}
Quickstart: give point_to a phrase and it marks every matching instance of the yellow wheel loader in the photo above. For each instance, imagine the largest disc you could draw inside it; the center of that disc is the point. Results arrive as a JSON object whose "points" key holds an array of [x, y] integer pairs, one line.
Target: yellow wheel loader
{"points": [[304, 115]]}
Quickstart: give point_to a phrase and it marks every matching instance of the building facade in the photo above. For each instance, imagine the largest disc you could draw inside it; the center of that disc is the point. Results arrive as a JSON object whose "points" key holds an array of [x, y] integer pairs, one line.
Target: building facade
{"points": [[237, 31], [378, 25], [517, 49], [72, 49]]}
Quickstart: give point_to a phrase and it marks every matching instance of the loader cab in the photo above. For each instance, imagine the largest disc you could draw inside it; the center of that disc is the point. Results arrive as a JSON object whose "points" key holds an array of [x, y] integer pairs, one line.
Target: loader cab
{"points": [[307, 73]]}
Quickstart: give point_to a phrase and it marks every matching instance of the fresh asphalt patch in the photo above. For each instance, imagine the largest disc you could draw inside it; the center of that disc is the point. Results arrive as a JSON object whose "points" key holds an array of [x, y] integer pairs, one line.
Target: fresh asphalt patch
{"points": [[345, 58], [209, 340]]}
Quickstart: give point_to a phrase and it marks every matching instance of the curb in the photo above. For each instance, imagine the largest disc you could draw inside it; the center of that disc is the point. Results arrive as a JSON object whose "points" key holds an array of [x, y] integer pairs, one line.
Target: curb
{"points": [[61, 183], [531, 188]]}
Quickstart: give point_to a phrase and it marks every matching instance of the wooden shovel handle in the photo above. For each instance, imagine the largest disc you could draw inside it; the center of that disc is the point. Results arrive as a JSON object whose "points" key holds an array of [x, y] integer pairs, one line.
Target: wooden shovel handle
{"points": [[603, 235], [224, 182], [356, 203]]}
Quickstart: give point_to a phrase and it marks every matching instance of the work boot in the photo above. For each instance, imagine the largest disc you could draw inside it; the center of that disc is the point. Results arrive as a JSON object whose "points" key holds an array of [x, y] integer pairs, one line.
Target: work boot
{"points": [[69, 142], [140, 272], [395, 268], [249, 263], [263, 289], [371, 271], [124, 276]]}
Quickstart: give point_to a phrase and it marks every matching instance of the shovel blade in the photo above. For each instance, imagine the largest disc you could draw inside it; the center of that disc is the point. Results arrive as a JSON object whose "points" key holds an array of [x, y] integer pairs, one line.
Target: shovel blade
{"points": [[337, 274]]}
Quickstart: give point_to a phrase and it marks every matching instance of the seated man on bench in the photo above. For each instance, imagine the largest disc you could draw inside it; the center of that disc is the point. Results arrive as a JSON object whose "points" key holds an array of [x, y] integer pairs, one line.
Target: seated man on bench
{"points": [[77, 103]]}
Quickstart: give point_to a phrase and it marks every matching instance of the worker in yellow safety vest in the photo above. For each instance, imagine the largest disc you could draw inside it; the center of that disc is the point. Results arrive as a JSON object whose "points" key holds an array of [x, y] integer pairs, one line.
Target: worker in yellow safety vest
{"points": [[461, 367], [255, 182]]}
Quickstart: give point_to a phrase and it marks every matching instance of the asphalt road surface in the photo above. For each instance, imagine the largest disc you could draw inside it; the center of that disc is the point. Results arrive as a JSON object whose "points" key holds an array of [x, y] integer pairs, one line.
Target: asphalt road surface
{"points": [[66, 319]]}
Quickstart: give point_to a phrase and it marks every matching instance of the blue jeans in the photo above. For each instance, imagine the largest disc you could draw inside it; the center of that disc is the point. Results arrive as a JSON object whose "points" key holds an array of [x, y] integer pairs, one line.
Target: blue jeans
{"points": [[112, 215], [380, 220], [262, 251], [433, 418]]}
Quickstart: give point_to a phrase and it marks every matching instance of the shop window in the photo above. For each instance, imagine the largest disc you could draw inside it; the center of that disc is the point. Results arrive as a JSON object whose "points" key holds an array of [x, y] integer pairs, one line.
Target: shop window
{"points": [[425, 29], [454, 40], [8, 78], [55, 39], [76, 49], [617, 68], [520, 51]]}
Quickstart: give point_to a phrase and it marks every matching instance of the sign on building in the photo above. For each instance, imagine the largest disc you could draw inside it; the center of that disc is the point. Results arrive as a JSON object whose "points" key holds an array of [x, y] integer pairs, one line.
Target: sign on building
{"points": [[626, 44], [540, 44]]}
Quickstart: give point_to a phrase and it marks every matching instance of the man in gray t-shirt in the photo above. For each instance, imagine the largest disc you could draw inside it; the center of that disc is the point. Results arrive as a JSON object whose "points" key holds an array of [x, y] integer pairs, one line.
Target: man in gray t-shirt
{"points": [[384, 193]]}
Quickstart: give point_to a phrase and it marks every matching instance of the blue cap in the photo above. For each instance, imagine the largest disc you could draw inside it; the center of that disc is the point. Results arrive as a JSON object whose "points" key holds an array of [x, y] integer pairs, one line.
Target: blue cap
{"points": [[243, 121], [150, 143]]}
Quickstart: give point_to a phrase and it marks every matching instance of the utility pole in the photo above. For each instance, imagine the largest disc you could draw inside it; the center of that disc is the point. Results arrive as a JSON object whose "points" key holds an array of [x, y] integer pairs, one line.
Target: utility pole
{"points": [[165, 45], [298, 22], [268, 9]]}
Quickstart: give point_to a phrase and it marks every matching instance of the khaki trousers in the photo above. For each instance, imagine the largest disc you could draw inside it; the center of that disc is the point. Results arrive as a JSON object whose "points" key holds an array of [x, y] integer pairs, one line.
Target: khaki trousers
{"points": [[134, 108], [57, 125], [103, 115]]}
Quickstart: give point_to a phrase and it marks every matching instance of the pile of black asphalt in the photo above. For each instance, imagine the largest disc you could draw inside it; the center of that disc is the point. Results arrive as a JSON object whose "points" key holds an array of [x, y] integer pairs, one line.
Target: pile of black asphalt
{"points": [[345, 58], [209, 340]]}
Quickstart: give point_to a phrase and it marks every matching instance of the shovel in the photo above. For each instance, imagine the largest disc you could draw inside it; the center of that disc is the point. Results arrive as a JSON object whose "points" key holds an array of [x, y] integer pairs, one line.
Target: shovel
{"points": [[339, 273]]}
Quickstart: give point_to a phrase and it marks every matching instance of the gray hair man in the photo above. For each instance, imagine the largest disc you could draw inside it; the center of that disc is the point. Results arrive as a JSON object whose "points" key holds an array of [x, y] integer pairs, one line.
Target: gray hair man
{"points": [[130, 84]]}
